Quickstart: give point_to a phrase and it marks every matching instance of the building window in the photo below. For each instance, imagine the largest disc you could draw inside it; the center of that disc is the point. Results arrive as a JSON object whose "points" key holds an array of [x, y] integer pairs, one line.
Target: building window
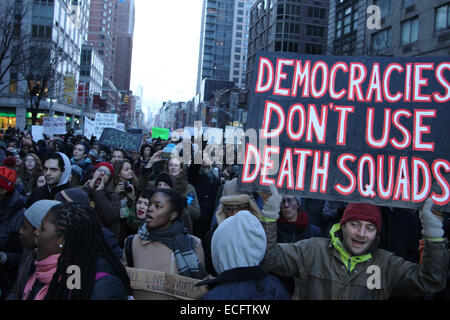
{"points": [[311, 48], [346, 21], [39, 31], [13, 82], [410, 31], [381, 40], [318, 13], [442, 20], [314, 31], [407, 3], [385, 6]]}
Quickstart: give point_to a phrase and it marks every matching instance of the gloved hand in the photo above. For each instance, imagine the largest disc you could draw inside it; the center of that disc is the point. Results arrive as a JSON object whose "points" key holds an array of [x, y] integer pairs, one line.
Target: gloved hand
{"points": [[431, 224], [271, 207]]}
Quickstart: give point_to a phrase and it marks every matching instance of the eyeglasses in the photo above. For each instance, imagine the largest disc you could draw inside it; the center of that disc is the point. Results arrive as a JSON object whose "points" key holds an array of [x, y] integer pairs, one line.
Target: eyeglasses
{"points": [[231, 209], [104, 171]]}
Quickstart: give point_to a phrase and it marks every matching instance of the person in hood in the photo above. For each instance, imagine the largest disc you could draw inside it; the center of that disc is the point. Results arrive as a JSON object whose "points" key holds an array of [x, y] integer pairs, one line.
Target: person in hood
{"points": [[237, 261], [293, 224], [57, 170], [231, 202], [71, 235], [11, 216], [80, 158], [350, 265]]}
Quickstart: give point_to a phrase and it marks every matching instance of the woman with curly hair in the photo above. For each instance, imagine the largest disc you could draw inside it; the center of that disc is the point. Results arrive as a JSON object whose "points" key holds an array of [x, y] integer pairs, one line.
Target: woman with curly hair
{"points": [[124, 184], [29, 171]]}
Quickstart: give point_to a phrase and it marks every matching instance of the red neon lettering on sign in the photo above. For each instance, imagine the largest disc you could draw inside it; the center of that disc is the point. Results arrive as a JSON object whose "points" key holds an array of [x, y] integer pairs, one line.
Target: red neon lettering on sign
{"points": [[267, 165], [286, 170], [383, 141], [303, 155], [443, 183], [301, 77], [342, 159], [264, 64], [443, 82], [269, 107], [322, 171], [383, 193], [422, 166], [402, 181], [368, 191], [406, 134]]}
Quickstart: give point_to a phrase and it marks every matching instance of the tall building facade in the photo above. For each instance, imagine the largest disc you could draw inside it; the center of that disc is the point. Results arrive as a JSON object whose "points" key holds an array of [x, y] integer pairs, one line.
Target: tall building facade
{"points": [[406, 28], [287, 26], [223, 41], [51, 29], [124, 43], [102, 33]]}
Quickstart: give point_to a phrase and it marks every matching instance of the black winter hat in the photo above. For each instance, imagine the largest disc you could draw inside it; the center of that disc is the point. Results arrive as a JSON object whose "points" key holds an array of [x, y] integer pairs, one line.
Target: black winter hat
{"points": [[165, 177]]}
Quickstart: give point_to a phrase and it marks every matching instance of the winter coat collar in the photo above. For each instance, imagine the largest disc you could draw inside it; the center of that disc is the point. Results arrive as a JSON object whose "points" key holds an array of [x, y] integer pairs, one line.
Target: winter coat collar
{"points": [[236, 274]]}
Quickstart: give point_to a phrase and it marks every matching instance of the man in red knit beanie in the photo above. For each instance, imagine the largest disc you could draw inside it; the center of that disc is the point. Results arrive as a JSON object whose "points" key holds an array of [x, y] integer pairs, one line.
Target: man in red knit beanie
{"points": [[349, 264], [360, 225]]}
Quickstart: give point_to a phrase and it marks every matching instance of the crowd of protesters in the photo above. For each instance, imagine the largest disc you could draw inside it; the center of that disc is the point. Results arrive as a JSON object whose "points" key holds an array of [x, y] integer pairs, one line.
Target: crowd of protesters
{"points": [[69, 201]]}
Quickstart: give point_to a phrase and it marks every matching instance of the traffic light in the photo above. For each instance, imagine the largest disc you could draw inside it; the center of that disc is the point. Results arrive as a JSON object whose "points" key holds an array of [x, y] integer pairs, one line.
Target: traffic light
{"points": [[125, 99]]}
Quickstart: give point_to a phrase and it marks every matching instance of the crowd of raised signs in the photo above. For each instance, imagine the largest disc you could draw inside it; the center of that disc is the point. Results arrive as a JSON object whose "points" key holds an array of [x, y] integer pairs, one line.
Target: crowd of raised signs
{"points": [[69, 204]]}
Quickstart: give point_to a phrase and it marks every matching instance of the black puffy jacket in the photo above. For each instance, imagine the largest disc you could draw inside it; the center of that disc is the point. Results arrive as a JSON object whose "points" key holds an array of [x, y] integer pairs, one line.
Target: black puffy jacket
{"points": [[11, 217]]}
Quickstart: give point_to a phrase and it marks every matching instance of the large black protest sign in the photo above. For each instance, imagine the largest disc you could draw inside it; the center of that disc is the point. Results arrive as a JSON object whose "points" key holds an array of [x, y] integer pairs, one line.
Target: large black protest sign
{"points": [[119, 139], [368, 129]]}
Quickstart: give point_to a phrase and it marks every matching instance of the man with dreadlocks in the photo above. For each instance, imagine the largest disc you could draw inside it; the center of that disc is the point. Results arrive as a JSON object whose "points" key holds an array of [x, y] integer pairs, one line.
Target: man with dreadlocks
{"points": [[71, 235]]}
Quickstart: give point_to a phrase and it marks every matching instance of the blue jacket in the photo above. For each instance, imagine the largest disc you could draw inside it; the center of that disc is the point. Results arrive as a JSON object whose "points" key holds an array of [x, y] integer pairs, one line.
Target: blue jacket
{"points": [[108, 287], [247, 283]]}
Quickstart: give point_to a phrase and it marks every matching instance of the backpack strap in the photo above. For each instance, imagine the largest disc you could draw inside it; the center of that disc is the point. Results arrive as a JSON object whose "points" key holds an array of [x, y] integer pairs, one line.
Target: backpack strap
{"points": [[129, 250], [100, 275]]}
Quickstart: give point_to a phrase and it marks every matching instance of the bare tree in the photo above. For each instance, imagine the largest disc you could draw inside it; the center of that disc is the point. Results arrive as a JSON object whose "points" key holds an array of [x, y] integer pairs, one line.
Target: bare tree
{"points": [[12, 40], [40, 73]]}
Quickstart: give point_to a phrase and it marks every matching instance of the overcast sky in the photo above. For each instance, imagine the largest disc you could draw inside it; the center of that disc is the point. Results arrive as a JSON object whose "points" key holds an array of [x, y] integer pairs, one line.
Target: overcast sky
{"points": [[165, 50]]}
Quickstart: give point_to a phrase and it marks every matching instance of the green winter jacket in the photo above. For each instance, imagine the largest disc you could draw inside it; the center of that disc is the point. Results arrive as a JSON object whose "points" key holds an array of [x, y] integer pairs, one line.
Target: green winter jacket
{"points": [[327, 271]]}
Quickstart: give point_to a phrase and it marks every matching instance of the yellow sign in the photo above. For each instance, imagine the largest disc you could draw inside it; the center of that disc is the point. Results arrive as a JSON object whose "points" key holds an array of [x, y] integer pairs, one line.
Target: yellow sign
{"points": [[69, 87]]}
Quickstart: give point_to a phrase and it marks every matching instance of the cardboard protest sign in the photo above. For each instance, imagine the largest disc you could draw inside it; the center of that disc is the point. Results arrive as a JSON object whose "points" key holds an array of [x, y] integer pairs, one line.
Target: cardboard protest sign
{"points": [[104, 120], [161, 282], [161, 133], [355, 129], [119, 139], [135, 130], [54, 125], [37, 132], [120, 126], [89, 127]]}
